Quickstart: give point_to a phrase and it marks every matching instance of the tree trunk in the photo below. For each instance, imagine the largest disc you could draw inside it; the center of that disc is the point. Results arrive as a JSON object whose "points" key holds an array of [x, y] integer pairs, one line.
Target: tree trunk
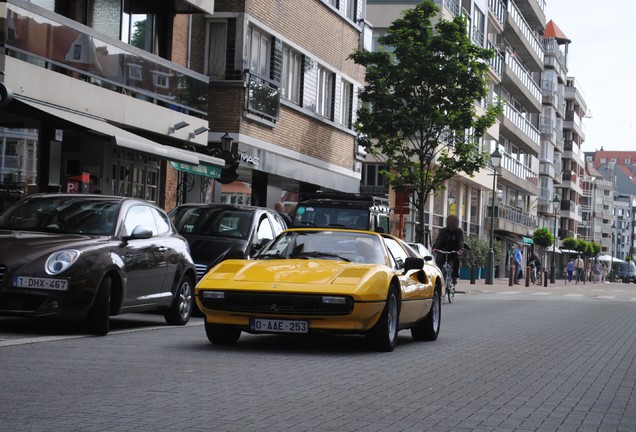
{"points": [[473, 274]]}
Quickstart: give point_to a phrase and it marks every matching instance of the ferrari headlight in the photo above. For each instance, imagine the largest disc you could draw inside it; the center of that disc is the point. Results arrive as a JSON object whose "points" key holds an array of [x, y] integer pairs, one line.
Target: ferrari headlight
{"points": [[61, 260], [334, 300], [215, 295]]}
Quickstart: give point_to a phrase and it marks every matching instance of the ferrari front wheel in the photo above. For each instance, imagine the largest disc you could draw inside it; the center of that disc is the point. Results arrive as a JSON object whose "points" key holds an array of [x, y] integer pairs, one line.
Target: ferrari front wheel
{"points": [[383, 335], [220, 334], [428, 328]]}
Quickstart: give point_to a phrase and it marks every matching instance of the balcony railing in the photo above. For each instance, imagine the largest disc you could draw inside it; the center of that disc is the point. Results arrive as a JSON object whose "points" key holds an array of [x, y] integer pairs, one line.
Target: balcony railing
{"points": [[263, 98], [478, 36], [498, 9], [532, 39], [453, 6], [514, 215], [496, 62], [520, 170], [65, 46], [551, 47], [524, 76], [524, 125]]}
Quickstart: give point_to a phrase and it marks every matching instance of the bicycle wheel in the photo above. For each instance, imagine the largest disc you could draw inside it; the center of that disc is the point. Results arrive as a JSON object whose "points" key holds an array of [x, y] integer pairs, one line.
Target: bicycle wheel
{"points": [[450, 288]]}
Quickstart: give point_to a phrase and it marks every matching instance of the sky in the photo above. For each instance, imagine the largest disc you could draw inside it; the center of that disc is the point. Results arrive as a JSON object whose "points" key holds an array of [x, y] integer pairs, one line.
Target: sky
{"points": [[602, 58]]}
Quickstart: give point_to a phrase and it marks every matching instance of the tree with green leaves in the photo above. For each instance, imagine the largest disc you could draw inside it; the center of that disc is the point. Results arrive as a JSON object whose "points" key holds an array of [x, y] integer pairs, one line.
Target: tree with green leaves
{"points": [[420, 112]]}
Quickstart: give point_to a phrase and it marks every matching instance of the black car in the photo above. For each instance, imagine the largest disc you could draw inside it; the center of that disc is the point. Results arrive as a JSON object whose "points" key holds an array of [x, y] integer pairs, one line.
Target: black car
{"points": [[88, 257], [217, 232]]}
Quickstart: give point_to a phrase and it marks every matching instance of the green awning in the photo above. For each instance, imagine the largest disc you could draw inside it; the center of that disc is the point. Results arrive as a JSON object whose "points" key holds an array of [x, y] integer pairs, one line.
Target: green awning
{"points": [[527, 240]]}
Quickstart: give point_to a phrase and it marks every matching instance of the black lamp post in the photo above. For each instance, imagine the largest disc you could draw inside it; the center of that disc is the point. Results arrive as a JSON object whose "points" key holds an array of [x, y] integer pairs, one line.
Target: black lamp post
{"points": [[495, 160], [612, 253], [555, 204]]}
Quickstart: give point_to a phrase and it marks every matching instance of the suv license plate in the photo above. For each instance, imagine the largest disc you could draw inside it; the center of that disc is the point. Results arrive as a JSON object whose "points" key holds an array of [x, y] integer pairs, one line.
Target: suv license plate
{"points": [[278, 326]]}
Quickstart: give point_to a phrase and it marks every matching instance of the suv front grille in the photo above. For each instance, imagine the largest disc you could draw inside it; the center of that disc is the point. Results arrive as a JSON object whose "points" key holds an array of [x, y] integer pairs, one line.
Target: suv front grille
{"points": [[277, 304]]}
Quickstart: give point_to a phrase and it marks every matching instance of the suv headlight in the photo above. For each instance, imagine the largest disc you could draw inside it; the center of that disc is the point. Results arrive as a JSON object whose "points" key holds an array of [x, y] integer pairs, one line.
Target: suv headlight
{"points": [[61, 260]]}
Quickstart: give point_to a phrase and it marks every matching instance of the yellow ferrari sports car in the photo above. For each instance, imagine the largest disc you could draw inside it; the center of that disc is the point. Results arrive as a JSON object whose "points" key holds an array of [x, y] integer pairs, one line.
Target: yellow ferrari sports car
{"points": [[312, 280]]}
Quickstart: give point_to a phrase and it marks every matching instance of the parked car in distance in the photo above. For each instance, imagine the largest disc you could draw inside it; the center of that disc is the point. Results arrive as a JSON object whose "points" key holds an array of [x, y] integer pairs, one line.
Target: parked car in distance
{"points": [[87, 257], [421, 249], [311, 280], [627, 271], [217, 232]]}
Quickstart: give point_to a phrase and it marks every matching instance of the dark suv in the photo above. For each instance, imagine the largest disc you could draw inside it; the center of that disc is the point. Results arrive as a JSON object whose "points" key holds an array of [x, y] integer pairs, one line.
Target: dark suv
{"points": [[343, 211]]}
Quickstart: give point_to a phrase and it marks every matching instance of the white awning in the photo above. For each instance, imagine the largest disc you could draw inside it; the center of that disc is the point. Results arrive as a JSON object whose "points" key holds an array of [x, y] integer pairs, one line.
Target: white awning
{"points": [[123, 138]]}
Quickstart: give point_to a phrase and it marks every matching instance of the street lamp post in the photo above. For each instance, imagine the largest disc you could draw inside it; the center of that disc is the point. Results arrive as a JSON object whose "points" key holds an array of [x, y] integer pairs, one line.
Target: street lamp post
{"points": [[612, 254], [555, 204], [495, 160]]}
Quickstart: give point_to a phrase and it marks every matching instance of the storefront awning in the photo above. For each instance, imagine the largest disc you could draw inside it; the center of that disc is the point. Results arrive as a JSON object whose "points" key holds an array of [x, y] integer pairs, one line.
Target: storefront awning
{"points": [[527, 240], [123, 138]]}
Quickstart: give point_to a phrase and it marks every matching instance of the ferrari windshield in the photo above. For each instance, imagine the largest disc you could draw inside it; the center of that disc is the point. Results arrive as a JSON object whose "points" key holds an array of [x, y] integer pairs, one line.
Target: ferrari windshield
{"points": [[81, 215], [317, 244]]}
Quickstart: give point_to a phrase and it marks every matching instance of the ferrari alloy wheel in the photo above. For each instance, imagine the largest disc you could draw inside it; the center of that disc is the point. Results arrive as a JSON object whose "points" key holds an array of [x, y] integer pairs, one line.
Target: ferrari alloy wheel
{"points": [[428, 328], [98, 320], [220, 334], [383, 335], [181, 309]]}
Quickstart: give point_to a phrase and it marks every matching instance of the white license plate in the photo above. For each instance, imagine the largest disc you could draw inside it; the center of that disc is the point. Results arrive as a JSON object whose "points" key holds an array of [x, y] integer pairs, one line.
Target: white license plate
{"points": [[40, 283], [278, 326]]}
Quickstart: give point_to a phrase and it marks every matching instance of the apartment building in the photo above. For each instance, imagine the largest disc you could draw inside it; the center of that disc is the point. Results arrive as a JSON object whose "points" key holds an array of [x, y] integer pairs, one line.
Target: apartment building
{"points": [[283, 88], [101, 92], [513, 30], [572, 160]]}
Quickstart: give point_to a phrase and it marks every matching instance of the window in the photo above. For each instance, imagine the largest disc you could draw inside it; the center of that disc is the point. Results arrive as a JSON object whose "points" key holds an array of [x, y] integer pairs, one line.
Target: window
{"points": [[264, 230], [134, 72], [628, 161], [350, 9], [138, 215], [324, 94], [479, 25], [292, 62], [162, 222], [346, 97], [259, 52], [161, 79], [217, 42]]}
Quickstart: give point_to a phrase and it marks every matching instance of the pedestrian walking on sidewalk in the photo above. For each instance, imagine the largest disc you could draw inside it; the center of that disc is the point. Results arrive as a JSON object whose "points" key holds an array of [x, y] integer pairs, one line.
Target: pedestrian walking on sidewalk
{"points": [[579, 265], [516, 253], [570, 268]]}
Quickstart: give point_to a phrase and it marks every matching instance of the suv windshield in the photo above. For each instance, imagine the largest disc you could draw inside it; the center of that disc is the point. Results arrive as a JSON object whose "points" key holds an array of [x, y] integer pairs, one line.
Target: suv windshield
{"points": [[343, 211]]}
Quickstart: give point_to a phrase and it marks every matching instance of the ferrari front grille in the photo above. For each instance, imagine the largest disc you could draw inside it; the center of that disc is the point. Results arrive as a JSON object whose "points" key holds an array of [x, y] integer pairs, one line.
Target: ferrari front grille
{"points": [[278, 304], [3, 271]]}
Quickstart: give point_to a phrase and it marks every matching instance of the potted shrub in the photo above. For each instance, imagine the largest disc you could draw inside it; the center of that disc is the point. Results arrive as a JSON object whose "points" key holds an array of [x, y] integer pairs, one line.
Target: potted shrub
{"points": [[475, 255]]}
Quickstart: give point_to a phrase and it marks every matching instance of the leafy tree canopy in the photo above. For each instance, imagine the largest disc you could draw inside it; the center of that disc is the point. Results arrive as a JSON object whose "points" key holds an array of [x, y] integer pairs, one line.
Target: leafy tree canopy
{"points": [[420, 114], [542, 237]]}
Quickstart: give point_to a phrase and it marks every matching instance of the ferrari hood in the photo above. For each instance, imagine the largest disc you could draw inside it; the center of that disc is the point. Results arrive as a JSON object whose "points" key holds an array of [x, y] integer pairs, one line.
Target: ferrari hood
{"points": [[287, 271]]}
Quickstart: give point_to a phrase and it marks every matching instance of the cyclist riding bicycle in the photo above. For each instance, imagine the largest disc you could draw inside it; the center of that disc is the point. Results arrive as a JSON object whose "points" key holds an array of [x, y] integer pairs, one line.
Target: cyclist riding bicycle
{"points": [[450, 238], [535, 266]]}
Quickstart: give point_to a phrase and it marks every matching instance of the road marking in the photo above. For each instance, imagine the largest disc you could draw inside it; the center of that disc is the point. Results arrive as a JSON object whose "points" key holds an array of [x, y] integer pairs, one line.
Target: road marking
{"points": [[573, 295], [541, 293], [605, 297], [509, 292]]}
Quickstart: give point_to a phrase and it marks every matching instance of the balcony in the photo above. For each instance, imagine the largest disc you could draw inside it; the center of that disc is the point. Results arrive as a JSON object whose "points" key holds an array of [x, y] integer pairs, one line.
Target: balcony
{"points": [[533, 11], [522, 176], [517, 128], [571, 210], [574, 122], [496, 63], [520, 84], [498, 11], [263, 98], [453, 6], [570, 180], [512, 219], [522, 38], [69, 48]]}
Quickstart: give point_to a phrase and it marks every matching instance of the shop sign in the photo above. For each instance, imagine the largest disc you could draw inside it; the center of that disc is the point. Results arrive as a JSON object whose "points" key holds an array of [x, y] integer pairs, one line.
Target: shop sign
{"points": [[201, 169]]}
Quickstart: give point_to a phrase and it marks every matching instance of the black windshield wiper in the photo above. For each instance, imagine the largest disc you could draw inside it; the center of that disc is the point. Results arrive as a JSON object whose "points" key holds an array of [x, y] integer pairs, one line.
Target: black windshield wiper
{"points": [[318, 254], [270, 256]]}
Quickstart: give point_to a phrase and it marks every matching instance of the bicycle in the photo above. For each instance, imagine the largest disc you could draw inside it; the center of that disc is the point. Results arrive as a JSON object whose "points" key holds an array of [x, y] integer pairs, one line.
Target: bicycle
{"points": [[535, 274], [447, 270]]}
